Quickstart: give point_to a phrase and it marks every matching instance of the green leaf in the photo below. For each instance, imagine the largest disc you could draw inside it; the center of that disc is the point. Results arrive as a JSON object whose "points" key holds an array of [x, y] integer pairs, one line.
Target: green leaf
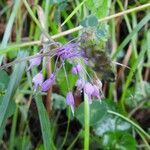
{"points": [[129, 37], [12, 86], [52, 2], [110, 123], [4, 80], [118, 140], [100, 8], [73, 12], [90, 21], [102, 32], [9, 27], [59, 102], [140, 94], [45, 123], [61, 80], [97, 111]]}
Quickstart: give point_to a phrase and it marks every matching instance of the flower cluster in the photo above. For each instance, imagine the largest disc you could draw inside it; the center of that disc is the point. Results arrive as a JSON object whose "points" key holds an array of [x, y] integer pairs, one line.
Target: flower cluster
{"points": [[73, 52]]}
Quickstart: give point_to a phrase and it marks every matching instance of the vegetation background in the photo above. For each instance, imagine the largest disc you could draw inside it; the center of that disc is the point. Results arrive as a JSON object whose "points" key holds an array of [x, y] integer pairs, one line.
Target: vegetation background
{"points": [[43, 121]]}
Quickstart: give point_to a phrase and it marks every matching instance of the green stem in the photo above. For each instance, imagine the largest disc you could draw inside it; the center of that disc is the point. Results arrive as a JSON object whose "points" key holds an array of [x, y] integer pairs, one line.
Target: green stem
{"points": [[68, 124], [143, 138], [13, 130], [86, 122], [74, 141]]}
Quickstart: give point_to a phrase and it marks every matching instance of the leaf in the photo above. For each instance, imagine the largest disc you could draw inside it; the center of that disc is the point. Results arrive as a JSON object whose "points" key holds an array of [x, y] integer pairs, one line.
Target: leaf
{"points": [[90, 21], [73, 12], [129, 37], [97, 111], [45, 123], [110, 123], [4, 80], [12, 86], [102, 32], [59, 102], [118, 140], [52, 2], [61, 80], [9, 26], [141, 93], [99, 8]]}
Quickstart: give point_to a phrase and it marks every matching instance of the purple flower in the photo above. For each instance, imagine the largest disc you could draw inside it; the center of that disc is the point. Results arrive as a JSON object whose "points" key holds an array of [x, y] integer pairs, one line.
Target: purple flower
{"points": [[48, 83], [96, 91], [35, 62], [80, 84], [70, 50], [70, 101], [88, 89], [77, 69], [37, 80]]}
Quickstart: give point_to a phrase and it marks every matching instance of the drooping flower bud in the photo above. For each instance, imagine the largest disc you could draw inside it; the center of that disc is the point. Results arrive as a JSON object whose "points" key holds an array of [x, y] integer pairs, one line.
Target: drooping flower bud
{"points": [[46, 85], [35, 62], [80, 84], [37, 80], [70, 100], [88, 89], [96, 92], [77, 69]]}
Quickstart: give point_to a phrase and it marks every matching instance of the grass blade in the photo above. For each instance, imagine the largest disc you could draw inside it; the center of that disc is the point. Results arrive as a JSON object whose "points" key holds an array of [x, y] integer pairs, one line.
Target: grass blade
{"points": [[134, 31], [45, 124], [9, 27], [73, 12], [12, 86]]}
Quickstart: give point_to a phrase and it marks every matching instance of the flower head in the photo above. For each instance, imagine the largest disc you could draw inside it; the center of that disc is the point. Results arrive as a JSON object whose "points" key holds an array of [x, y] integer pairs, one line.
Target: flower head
{"points": [[77, 69], [70, 100], [35, 62], [37, 80], [46, 85], [70, 50]]}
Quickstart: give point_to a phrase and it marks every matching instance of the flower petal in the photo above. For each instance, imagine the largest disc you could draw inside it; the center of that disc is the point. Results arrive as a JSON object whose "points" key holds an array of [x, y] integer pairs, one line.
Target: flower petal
{"points": [[35, 62], [46, 85], [37, 80], [88, 89], [96, 92], [77, 69], [70, 101]]}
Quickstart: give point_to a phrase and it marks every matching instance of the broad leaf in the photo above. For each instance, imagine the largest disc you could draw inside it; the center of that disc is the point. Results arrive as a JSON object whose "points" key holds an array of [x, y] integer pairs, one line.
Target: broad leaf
{"points": [[97, 111], [118, 140], [90, 21]]}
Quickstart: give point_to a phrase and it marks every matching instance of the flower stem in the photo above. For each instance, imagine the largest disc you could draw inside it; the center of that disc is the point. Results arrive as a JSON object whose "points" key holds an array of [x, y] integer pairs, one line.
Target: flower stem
{"points": [[86, 122]]}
